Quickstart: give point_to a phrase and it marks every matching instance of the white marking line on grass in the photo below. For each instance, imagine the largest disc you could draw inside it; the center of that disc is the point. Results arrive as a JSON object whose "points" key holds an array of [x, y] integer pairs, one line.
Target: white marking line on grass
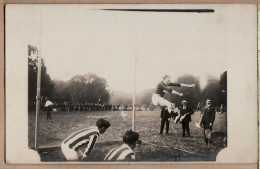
{"points": [[98, 117], [174, 148], [123, 115]]}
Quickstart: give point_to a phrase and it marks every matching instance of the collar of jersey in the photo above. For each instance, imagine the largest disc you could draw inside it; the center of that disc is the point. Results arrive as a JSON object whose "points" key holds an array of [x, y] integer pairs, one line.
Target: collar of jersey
{"points": [[96, 128], [127, 146]]}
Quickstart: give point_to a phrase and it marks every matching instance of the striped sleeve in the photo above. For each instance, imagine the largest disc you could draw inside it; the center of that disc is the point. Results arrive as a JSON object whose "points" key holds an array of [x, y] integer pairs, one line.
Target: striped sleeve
{"points": [[91, 144], [108, 155], [105, 159]]}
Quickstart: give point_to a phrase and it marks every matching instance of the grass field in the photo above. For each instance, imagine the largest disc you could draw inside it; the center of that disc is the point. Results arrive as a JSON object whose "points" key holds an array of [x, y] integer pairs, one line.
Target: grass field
{"points": [[164, 147]]}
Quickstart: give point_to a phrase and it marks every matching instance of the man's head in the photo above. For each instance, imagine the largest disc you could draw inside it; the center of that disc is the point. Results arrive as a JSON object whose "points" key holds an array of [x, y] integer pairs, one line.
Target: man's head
{"points": [[184, 102], [166, 79], [102, 125], [131, 138], [208, 102]]}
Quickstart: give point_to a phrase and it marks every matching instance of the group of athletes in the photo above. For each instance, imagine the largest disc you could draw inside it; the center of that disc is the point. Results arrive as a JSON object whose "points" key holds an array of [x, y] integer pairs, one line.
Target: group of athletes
{"points": [[71, 146]]}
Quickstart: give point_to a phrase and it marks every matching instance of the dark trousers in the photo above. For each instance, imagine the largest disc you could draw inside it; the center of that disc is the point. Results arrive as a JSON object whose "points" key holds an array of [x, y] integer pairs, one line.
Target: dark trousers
{"points": [[163, 121], [185, 127], [206, 139], [48, 115]]}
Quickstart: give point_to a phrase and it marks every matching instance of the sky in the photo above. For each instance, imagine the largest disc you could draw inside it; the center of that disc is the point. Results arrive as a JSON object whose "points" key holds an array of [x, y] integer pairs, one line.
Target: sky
{"points": [[131, 50]]}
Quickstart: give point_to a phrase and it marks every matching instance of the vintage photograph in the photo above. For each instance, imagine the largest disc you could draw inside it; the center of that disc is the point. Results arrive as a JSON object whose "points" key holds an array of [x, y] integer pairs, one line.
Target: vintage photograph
{"points": [[125, 83]]}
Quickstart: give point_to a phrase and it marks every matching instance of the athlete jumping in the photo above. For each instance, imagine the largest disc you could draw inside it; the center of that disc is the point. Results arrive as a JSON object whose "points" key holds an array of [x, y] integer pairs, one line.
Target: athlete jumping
{"points": [[166, 86]]}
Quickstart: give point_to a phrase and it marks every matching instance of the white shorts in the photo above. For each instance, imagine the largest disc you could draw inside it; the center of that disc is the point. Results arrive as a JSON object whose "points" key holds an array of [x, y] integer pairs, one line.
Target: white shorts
{"points": [[70, 154], [160, 101]]}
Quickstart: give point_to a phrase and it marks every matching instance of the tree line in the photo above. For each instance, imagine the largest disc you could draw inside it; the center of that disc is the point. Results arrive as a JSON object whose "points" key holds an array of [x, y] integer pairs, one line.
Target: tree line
{"points": [[81, 89], [90, 88]]}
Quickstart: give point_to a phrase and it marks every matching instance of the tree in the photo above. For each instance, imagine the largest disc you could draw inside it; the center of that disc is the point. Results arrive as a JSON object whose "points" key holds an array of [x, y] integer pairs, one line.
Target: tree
{"points": [[223, 88], [46, 82], [212, 91], [88, 88], [192, 95], [121, 98], [60, 92], [144, 97]]}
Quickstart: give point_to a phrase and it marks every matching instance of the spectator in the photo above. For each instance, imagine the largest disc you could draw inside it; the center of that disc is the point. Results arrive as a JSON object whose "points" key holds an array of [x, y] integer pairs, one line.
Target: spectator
{"points": [[185, 118], [208, 118], [48, 105]]}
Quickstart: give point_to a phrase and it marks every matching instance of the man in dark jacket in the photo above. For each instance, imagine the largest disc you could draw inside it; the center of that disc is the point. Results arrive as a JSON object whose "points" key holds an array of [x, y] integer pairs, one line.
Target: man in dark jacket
{"points": [[185, 118], [165, 118], [208, 118]]}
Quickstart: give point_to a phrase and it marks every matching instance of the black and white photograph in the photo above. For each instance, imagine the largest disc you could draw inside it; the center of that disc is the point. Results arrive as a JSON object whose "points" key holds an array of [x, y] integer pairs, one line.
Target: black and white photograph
{"points": [[131, 83]]}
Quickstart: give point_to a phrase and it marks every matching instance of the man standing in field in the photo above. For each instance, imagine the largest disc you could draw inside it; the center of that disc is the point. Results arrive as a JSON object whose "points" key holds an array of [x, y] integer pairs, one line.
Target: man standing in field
{"points": [[124, 152], [86, 137], [166, 86], [207, 120], [185, 118], [165, 118], [48, 106]]}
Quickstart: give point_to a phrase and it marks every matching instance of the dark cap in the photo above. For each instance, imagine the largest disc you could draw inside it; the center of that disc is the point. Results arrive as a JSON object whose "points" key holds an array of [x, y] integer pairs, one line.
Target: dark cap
{"points": [[102, 123], [130, 137]]}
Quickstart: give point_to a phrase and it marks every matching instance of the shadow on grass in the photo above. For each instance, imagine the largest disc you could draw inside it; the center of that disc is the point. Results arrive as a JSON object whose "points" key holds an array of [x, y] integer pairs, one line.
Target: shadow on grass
{"points": [[216, 134]]}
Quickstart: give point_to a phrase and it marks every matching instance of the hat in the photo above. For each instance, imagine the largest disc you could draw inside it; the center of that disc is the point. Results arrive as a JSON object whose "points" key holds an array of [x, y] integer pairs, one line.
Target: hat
{"points": [[184, 101]]}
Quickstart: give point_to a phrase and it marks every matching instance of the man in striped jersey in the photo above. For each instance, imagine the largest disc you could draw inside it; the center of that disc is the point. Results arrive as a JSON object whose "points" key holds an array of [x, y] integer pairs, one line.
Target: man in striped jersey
{"points": [[86, 137], [125, 151]]}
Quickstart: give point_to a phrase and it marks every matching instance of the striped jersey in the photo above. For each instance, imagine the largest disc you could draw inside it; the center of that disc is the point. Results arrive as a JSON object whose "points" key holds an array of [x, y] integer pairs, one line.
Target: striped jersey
{"points": [[122, 153], [86, 137]]}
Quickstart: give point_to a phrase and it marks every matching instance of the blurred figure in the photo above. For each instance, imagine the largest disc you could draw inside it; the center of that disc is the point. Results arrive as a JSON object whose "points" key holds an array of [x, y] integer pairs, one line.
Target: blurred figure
{"points": [[48, 106], [126, 151]]}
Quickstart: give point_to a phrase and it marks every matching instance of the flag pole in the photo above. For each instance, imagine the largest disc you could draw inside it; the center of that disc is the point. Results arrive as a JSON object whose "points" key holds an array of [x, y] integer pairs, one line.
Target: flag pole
{"points": [[133, 118], [134, 88], [38, 103], [38, 96]]}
